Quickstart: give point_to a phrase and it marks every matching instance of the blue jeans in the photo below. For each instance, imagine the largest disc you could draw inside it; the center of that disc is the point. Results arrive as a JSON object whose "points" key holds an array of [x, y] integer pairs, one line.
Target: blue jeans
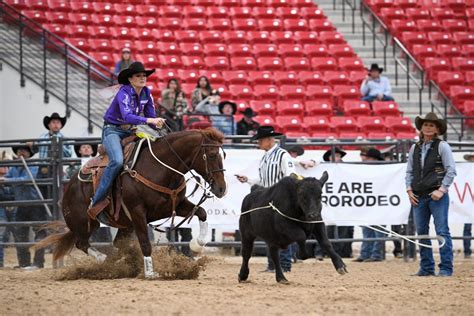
{"points": [[467, 232], [371, 249], [111, 137], [439, 210], [370, 98], [3, 218], [286, 255]]}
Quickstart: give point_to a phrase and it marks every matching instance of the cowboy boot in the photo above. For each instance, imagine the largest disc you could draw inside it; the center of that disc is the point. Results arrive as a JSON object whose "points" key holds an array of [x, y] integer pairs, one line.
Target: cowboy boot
{"points": [[94, 210]]}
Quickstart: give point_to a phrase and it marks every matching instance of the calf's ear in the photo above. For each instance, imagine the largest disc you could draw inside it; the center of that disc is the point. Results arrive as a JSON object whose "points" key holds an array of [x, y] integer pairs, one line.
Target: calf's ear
{"points": [[324, 178]]}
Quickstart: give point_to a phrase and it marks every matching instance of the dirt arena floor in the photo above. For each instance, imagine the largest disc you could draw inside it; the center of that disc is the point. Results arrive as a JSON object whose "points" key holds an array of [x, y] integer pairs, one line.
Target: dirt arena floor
{"points": [[315, 288]]}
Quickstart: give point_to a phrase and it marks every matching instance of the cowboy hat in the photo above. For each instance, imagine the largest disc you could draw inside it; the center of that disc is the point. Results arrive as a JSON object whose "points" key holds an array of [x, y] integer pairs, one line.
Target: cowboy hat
{"points": [[248, 112], [265, 131], [431, 117], [375, 67], [134, 68], [232, 104], [374, 153], [337, 150], [78, 147], [54, 116], [24, 146], [295, 149]]}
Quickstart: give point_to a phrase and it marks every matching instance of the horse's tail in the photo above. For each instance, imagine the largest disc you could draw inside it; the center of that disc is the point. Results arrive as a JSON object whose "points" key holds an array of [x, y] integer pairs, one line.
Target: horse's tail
{"points": [[62, 242]]}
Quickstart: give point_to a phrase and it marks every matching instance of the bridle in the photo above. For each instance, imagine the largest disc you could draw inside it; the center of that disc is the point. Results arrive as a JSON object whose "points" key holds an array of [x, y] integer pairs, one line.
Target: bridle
{"points": [[202, 149]]}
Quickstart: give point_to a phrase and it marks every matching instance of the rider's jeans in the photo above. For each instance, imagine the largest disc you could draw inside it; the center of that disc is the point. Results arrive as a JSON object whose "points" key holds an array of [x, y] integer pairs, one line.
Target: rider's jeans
{"points": [[111, 137]]}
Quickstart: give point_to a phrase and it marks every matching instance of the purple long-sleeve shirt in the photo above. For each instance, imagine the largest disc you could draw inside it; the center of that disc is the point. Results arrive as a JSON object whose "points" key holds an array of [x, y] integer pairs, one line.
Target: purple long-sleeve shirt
{"points": [[127, 107]]}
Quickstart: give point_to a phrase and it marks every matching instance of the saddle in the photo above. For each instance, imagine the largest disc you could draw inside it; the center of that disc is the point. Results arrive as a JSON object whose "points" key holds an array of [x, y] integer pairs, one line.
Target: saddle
{"points": [[94, 168]]}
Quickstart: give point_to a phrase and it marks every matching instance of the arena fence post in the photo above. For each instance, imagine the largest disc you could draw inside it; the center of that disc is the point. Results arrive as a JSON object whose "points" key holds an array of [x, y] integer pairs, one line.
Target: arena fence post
{"points": [[89, 122], [20, 29], [45, 67], [66, 81]]}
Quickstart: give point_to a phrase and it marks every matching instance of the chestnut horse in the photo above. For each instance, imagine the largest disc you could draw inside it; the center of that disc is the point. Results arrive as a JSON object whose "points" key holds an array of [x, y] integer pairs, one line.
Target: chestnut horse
{"points": [[182, 151]]}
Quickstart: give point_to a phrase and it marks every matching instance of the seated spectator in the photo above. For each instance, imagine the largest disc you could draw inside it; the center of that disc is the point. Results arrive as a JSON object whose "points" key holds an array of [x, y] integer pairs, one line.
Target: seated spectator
{"points": [[27, 192], [216, 109], [201, 92], [174, 105], [295, 151], [376, 87], [338, 155], [123, 63], [247, 126]]}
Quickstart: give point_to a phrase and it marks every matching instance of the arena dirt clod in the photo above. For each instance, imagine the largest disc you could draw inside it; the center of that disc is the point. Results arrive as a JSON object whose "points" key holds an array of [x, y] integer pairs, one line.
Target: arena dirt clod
{"points": [[128, 263]]}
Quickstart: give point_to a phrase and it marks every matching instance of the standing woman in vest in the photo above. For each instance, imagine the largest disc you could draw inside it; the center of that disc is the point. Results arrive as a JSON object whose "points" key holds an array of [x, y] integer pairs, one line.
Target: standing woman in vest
{"points": [[430, 172], [131, 106]]}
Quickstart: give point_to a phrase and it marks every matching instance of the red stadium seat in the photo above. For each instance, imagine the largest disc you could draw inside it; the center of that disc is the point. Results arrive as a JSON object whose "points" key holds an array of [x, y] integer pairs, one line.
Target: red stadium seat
{"points": [[270, 63], [468, 50], [356, 77], [103, 58], [187, 36], [193, 62], [460, 63], [264, 13], [244, 24], [297, 63], [341, 50], [103, 20], [370, 124], [282, 37], [389, 14], [77, 31], [399, 124], [288, 92], [328, 37], [295, 25], [233, 77], [56, 29], [424, 51], [306, 37], [321, 25], [455, 25], [217, 12], [356, 108], [99, 32], [380, 136], [294, 108], [290, 123], [188, 76], [209, 37], [311, 78], [464, 38], [413, 38], [37, 16], [266, 120], [266, 92], [170, 11], [265, 50], [123, 33], [336, 78], [192, 49], [217, 63], [291, 50], [234, 37], [438, 38], [219, 24], [214, 76], [312, 13], [449, 51], [316, 124], [166, 36], [239, 50], [169, 48], [449, 78], [82, 7], [398, 27], [194, 12], [146, 10], [241, 91], [57, 17], [316, 50], [215, 50], [346, 92], [433, 64], [460, 94], [169, 61], [270, 25], [344, 124], [167, 74], [417, 14], [469, 77], [189, 24], [324, 64], [243, 63], [125, 21], [319, 108], [286, 78], [260, 77], [442, 13], [240, 13], [319, 92], [146, 34], [263, 107], [351, 64], [429, 26], [101, 45], [288, 13], [385, 108], [258, 37], [80, 43]]}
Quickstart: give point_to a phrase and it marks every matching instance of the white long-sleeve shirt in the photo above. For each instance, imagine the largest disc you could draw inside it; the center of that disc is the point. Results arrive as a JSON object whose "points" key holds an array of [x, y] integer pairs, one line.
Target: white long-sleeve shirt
{"points": [[275, 164], [375, 87]]}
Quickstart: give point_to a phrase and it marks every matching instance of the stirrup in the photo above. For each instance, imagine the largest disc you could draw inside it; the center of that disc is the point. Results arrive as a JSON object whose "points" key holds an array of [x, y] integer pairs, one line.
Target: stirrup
{"points": [[102, 218]]}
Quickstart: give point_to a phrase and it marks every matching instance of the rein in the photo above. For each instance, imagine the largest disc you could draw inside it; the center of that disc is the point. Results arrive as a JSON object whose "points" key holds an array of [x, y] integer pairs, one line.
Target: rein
{"points": [[380, 228]]}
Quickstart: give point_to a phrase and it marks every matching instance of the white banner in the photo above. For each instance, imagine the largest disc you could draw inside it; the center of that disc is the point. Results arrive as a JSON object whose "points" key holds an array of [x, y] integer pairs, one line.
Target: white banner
{"points": [[354, 194]]}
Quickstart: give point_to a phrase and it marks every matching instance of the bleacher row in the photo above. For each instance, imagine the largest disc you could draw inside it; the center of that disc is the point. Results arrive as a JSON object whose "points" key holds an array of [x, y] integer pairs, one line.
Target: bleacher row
{"points": [[440, 35], [282, 58]]}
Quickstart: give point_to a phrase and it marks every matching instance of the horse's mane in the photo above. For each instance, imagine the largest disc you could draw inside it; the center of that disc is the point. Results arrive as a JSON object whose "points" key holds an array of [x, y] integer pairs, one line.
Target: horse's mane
{"points": [[213, 134]]}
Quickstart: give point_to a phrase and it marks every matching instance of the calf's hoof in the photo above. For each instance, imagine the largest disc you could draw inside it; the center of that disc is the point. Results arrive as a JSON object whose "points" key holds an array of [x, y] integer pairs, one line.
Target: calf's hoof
{"points": [[242, 278], [342, 270]]}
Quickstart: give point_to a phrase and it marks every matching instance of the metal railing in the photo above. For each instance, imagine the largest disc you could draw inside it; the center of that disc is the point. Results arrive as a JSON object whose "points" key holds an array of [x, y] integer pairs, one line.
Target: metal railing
{"points": [[46, 59]]}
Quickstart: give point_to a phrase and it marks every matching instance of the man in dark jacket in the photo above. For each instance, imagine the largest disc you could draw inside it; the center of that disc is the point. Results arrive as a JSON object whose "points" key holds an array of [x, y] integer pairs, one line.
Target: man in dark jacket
{"points": [[247, 126]]}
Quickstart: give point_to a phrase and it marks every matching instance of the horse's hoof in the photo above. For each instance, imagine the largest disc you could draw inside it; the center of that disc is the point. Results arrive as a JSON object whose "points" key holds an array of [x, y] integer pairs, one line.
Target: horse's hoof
{"points": [[195, 245], [241, 279]]}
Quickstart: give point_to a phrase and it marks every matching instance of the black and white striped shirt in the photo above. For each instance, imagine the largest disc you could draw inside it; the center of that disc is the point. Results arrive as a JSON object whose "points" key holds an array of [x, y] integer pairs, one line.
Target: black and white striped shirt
{"points": [[275, 164]]}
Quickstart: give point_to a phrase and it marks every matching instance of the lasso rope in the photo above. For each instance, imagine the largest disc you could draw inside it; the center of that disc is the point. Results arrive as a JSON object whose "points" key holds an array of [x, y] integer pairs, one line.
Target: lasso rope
{"points": [[380, 228]]}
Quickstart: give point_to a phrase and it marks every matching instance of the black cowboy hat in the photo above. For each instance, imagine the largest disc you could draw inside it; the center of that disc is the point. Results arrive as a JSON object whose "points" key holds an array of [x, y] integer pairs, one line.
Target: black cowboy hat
{"points": [[431, 117], [18, 147], [375, 67], [295, 149], [54, 116], [374, 153], [248, 112], [134, 68], [232, 104], [327, 154], [78, 147], [265, 131]]}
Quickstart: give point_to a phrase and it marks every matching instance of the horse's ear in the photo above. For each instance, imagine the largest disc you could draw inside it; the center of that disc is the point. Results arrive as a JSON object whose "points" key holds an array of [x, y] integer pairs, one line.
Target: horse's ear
{"points": [[324, 178], [296, 176]]}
